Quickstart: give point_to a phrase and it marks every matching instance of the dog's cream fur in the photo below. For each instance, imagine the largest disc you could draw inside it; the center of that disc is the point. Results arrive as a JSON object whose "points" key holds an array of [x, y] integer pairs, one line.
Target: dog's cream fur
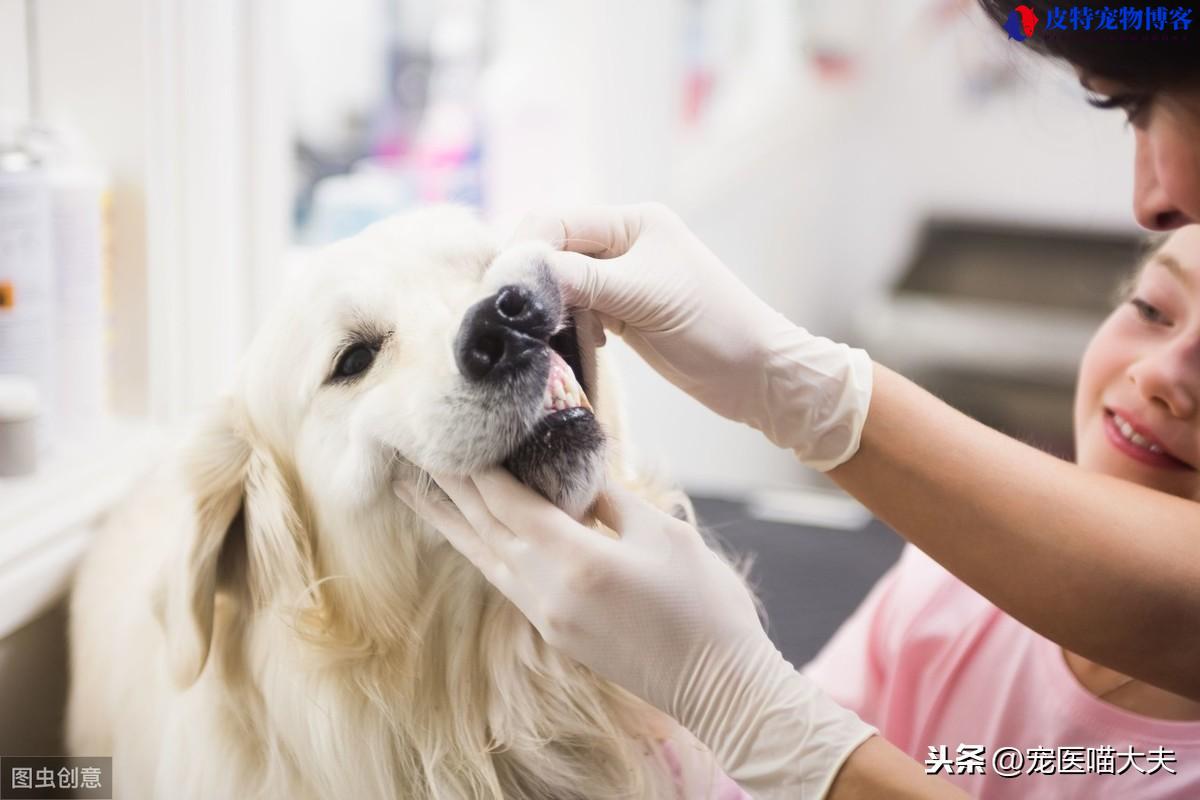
{"points": [[265, 620]]}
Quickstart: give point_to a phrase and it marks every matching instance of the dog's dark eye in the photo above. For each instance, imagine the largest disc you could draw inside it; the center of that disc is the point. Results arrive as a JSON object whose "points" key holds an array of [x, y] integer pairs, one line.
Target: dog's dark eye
{"points": [[354, 361]]}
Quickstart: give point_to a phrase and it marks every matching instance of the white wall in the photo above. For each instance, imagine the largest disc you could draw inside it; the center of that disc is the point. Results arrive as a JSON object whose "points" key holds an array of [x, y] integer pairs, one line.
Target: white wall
{"points": [[336, 53], [13, 100]]}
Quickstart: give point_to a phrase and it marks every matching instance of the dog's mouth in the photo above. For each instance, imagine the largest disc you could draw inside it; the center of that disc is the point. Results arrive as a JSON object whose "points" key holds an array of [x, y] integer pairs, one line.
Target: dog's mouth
{"points": [[565, 403], [559, 456], [566, 386]]}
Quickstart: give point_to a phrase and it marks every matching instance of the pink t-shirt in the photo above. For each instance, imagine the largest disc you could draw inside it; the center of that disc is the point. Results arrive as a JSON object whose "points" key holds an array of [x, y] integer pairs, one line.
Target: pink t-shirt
{"points": [[698, 779], [934, 665]]}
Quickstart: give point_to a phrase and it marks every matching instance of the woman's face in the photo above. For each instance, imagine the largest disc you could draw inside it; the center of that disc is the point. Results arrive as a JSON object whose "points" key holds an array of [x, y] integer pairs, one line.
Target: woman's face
{"points": [[1166, 125], [1137, 405]]}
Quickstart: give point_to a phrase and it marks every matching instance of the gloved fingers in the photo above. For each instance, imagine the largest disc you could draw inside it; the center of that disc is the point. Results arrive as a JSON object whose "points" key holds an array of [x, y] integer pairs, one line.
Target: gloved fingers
{"points": [[609, 287], [465, 496], [612, 507], [541, 226], [598, 231], [582, 287], [589, 327], [609, 323], [527, 514], [445, 517], [627, 514], [585, 282]]}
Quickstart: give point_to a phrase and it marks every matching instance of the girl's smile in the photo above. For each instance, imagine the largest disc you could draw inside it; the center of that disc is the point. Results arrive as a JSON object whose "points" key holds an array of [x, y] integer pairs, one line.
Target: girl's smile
{"points": [[1138, 442], [1137, 404]]}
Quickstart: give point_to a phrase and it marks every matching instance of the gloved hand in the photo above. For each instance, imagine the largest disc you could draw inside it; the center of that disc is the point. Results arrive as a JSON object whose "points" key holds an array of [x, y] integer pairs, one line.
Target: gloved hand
{"points": [[650, 280], [658, 613]]}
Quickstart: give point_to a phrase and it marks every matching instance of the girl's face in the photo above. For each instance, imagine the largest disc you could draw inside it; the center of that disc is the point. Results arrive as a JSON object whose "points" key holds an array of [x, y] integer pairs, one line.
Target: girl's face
{"points": [[1137, 405], [1166, 192]]}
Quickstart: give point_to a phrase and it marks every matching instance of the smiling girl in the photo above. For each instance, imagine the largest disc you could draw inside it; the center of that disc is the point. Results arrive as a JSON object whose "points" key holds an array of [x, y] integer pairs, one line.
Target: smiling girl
{"points": [[1139, 383], [933, 664]]}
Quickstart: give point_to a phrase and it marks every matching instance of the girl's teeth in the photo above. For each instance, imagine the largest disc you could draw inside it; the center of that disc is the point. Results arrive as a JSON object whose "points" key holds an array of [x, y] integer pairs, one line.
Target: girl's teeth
{"points": [[1129, 433]]}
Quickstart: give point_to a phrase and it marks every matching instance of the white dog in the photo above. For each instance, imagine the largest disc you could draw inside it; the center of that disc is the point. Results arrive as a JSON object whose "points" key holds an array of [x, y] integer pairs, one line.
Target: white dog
{"points": [[266, 620]]}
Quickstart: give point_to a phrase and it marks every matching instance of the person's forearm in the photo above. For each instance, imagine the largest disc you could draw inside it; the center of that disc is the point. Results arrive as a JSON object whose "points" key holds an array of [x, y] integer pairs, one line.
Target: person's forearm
{"points": [[1106, 568], [878, 768]]}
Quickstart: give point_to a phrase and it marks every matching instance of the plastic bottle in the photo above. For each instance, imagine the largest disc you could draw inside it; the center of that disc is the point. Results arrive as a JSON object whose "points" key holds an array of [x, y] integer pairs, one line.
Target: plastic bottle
{"points": [[27, 290]]}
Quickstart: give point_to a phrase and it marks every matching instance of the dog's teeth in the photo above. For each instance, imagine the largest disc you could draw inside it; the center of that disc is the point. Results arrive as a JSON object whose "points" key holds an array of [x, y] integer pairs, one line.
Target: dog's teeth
{"points": [[562, 387]]}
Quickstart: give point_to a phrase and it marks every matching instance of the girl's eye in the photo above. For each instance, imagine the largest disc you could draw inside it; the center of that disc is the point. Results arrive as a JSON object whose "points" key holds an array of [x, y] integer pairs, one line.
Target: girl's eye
{"points": [[1149, 313], [354, 361], [1134, 104]]}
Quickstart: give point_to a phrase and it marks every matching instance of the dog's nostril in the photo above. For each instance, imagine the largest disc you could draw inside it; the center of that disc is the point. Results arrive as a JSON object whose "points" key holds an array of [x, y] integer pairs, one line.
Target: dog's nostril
{"points": [[498, 333], [511, 303], [489, 349]]}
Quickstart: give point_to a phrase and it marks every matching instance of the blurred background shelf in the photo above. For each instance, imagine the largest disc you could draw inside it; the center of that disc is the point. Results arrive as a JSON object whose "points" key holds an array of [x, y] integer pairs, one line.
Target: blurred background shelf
{"points": [[994, 318]]}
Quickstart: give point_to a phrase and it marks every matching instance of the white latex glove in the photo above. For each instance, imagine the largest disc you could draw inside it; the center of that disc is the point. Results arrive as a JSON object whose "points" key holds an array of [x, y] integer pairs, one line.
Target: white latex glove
{"points": [[658, 613], [650, 280]]}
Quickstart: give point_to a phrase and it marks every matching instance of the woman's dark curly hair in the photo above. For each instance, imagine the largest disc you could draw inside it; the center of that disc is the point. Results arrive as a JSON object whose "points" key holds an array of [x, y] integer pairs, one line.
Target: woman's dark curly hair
{"points": [[1146, 64]]}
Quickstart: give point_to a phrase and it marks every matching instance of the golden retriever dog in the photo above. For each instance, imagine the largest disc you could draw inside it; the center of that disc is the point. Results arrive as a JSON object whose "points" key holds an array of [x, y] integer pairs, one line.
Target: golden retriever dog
{"points": [[265, 619]]}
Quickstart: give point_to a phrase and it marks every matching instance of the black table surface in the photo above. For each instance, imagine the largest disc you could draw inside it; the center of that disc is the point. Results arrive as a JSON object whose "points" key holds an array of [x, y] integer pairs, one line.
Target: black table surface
{"points": [[810, 579]]}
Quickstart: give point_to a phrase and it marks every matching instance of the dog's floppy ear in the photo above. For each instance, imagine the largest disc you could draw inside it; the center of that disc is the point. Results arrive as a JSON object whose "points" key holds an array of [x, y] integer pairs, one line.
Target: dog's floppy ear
{"points": [[246, 532], [215, 465]]}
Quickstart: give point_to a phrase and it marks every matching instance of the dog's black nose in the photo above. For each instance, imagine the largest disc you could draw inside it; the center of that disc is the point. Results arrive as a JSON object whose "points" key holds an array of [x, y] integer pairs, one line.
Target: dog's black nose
{"points": [[499, 332]]}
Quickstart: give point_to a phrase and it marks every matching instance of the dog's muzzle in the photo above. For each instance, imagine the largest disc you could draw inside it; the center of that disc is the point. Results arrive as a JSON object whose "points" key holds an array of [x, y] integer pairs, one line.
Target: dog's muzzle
{"points": [[505, 335], [514, 349]]}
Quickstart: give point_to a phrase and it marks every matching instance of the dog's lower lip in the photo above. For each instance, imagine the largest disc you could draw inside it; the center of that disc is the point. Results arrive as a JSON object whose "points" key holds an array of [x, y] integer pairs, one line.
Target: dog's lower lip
{"points": [[567, 414], [557, 419], [548, 427], [559, 455]]}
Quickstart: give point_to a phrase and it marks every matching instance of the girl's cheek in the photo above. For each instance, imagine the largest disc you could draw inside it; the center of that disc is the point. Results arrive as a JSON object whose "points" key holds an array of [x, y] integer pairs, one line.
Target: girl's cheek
{"points": [[1107, 355], [1088, 380]]}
